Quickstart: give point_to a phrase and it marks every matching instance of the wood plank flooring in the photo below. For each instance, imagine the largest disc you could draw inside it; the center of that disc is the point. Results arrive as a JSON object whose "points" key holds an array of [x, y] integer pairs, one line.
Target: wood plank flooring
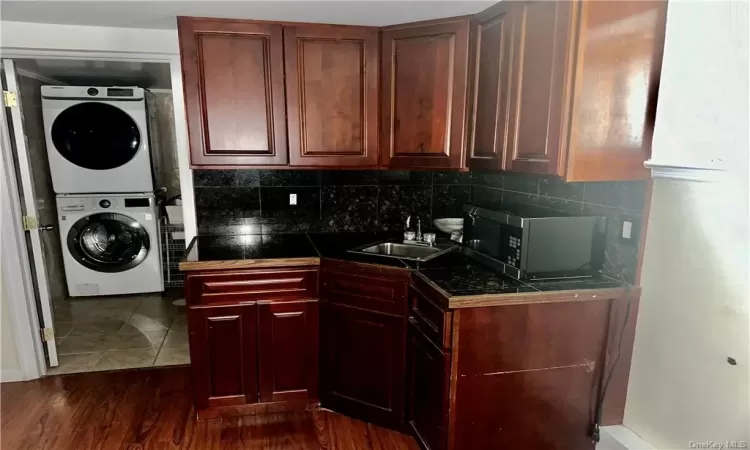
{"points": [[152, 409]]}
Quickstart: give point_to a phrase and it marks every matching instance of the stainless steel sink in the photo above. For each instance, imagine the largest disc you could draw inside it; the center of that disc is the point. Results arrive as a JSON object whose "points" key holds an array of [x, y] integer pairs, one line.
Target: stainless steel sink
{"points": [[402, 251]]}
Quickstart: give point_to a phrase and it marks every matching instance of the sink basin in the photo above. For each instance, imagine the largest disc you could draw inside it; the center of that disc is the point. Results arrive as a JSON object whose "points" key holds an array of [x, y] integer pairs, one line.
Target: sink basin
{"points": [[402, 251]]}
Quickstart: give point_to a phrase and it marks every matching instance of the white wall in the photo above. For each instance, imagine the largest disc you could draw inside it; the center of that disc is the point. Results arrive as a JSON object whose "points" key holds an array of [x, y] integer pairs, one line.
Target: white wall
{"points": [[703, 96], [24, 35], [695, 302], [9, 365]]}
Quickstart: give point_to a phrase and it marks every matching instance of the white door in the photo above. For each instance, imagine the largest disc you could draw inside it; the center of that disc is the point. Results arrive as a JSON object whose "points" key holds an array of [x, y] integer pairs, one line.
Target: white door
{"points": [[28, 204]]}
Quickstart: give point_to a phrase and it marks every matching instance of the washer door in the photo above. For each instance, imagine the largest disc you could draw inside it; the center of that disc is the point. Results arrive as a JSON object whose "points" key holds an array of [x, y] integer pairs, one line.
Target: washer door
{"points": [[96, 136], [108, 242]]}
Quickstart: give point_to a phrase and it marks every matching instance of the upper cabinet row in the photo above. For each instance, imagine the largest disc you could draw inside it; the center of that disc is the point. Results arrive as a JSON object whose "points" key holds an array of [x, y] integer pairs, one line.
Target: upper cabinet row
{"points": [[564, 88]]}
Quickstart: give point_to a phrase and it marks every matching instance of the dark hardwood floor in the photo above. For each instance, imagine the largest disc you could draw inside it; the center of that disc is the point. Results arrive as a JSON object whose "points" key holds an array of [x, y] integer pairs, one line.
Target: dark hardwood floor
{"points": [[152, 409]]}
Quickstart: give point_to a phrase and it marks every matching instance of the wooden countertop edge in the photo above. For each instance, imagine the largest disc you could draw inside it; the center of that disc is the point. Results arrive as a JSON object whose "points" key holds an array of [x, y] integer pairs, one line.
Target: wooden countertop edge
{"points": [[187, 266], [525, 298]]}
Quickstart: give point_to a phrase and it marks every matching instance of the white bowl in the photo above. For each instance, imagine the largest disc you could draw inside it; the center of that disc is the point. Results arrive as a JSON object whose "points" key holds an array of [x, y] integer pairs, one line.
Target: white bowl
{"points": [[449, 225]]}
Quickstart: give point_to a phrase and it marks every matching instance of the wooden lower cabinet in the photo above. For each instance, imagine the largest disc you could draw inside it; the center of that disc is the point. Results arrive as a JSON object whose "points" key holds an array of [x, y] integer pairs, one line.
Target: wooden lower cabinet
{"points": [[223, 345], [429, 388], [253, 339], [363, 364], [288, 351]]}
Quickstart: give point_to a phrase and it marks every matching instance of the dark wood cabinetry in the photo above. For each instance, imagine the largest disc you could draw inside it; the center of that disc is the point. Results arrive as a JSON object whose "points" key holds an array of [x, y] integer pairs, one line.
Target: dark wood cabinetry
{"points": [[491, 39], [542, 35], [560, 88], [429, 389], [223, 355], [233, 76], [332, 95], [363, 363], [363, 337], [574, 108], [424, 78], [288, 350], [253, 338]]}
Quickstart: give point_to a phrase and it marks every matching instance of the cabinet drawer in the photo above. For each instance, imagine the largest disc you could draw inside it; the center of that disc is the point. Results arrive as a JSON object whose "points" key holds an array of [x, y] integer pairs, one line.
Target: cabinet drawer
{"points": [[375, 293], [431, 319], [252, 285]]}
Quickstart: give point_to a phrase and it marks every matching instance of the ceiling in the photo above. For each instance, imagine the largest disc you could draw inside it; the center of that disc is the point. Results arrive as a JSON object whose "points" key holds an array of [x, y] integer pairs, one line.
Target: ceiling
{"points": [[100, 73], [161, 14]]}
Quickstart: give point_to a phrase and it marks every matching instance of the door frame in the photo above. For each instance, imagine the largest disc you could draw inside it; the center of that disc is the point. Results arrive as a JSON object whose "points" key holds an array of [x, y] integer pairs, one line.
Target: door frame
{"points": [[16, 267]]}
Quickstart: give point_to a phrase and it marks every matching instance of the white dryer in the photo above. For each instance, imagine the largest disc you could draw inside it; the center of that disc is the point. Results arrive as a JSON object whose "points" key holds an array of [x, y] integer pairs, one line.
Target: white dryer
{"points": [[110, 244], [97, 139]]}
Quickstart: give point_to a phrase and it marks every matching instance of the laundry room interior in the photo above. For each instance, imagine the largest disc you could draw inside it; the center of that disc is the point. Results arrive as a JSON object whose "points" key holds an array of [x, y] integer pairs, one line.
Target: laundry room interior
{"points": [[114, 310]]}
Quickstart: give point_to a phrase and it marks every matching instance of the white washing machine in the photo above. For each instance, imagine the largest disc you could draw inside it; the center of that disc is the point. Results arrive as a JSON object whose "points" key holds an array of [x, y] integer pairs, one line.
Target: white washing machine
{"points": [[110, 244], [97, 139]]}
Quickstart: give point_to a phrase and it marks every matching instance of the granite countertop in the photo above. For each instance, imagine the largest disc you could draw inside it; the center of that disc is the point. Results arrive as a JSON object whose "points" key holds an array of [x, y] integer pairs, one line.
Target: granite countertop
{"points": [[465, 282], [460, 279], [249, 250]]}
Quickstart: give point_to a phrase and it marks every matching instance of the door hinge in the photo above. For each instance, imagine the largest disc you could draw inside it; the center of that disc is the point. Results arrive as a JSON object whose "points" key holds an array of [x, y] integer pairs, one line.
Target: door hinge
{"points": [[29, 223], [9, 99], [48, 335]]}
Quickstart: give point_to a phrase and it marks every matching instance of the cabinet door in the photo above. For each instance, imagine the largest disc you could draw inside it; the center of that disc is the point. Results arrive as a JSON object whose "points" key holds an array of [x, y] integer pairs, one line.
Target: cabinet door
{"points": [[234, 92], [363, 357], [429, 384], [541, 86], [223, 355], [424, 76], [492, 37], [332, 95], [288, 351]]}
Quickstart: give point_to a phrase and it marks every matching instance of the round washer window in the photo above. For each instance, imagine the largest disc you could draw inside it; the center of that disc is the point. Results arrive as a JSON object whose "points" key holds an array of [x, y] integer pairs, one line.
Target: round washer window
{"points": [[108, 242], [96, 136]]}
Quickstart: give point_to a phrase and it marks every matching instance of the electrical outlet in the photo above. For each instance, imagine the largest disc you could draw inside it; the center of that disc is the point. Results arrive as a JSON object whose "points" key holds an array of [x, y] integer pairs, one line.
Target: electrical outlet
{"points": [[292, 199], [627, 229]]}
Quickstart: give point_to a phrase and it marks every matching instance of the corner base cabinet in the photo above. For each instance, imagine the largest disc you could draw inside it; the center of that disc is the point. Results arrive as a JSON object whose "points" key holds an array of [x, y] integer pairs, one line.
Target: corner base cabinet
{"points": [[363, 337], [253, 339]]}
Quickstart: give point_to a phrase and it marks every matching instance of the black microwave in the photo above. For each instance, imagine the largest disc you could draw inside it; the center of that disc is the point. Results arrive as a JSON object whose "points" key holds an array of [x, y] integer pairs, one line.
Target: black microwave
{"points": [[536, 243]]}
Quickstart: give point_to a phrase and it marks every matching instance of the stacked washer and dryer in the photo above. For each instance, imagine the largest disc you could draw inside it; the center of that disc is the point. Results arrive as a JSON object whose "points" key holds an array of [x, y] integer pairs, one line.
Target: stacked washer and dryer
{"points": [[100, 164]]}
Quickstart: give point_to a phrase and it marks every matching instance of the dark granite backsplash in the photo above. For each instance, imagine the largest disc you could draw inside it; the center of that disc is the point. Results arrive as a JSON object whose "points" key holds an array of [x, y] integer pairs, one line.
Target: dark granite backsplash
{"points": [[254, 201], [614, 200]]}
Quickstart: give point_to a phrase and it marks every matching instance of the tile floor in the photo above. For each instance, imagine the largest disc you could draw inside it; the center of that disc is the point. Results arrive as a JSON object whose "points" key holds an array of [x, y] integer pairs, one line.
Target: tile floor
{"points": [[122, 332]]}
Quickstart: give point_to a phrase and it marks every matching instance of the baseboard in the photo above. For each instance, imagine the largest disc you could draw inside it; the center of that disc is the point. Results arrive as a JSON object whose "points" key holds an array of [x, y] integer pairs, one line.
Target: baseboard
{"points": [[7, 376], [619, 437]]}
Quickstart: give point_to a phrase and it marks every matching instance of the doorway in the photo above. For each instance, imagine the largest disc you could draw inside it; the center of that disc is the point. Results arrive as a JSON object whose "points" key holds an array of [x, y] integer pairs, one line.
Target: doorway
{"points": [[84, 331]]}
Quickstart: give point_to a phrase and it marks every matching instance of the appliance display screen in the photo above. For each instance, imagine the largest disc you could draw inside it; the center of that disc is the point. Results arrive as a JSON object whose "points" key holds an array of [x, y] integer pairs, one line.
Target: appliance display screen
{"points": [[136, 202], [119, 92]]}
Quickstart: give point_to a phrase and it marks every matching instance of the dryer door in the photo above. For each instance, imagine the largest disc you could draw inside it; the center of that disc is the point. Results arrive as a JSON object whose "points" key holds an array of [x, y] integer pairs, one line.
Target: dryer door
{"points": [[96, 136], [108, 242]]}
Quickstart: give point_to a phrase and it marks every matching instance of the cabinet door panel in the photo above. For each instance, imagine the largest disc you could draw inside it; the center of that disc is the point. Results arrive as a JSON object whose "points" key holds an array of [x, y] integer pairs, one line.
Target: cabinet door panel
{"points": [[332, 95], [492, 36], [429, 372], [223, 355], [234, 93], [288, 347], [363, 363], [540, 86], [424, 75]]}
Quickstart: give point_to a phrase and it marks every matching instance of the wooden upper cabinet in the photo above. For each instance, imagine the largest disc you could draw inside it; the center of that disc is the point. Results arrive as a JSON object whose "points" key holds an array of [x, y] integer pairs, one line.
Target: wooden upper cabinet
{"points": [[424, 83], [540, 81], [584, 88], [491, 38], [616, 88], [332, 95], [233, 74]]}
